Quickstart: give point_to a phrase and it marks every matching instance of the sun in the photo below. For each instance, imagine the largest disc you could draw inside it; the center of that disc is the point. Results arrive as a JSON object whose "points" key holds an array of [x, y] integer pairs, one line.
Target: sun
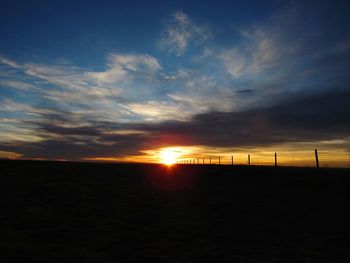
{"points": [[168, 156]]}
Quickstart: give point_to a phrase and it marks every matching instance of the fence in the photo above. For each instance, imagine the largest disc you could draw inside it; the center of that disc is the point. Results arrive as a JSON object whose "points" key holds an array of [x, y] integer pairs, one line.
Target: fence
{"points": [[313, 159]]}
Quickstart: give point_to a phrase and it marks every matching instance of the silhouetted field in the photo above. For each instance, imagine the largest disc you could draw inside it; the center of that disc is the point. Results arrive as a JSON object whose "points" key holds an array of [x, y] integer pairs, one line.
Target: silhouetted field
{"points": [[80, 212]]}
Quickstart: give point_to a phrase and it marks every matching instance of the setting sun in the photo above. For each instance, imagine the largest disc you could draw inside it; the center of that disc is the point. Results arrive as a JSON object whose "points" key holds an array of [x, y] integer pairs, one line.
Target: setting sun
{"points": [[168, 156]]}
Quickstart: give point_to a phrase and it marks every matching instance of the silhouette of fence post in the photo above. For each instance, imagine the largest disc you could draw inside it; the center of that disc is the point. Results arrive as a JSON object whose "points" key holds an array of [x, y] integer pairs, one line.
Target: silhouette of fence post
{"points": [[249, 159], [219, 161], [209, 160], [316, 157], [232, 160], [275, 159], [203, 160]]}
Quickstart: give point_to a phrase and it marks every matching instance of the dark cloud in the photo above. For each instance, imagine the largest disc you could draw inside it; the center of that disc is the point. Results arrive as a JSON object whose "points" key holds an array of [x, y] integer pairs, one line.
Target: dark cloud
{"points": [[246, 91], [321, 116], [310, 118]]}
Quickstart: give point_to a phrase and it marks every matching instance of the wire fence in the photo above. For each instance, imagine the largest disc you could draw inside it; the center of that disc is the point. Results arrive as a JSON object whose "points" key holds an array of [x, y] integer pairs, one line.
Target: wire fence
{"points": [[313, 159]]}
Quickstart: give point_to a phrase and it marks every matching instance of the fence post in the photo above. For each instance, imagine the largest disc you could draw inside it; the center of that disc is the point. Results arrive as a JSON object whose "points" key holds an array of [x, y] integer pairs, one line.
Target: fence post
{"points": [[249, 159], [316, 157], [275, 159], [209, 160], [232, 159], [219, 161], [203, 160]]}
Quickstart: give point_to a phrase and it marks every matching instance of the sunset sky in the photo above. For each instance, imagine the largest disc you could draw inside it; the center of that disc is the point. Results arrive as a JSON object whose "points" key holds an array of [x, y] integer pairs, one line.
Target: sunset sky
{"points": [[122, 80]]}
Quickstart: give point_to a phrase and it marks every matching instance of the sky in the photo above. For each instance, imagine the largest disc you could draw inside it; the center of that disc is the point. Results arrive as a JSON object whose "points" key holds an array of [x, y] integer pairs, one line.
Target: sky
{"points": [[124, 80]]}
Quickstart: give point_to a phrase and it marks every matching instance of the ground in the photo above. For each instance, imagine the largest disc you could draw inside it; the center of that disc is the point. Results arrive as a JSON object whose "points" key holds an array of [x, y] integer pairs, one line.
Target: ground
{"points": [[80, 212]]}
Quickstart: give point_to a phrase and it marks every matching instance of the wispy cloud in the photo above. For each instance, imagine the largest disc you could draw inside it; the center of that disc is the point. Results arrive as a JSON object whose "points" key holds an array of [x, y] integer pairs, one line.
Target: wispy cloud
{"points": [[68, 87], [17, 85], [158, 111], [180, 32], [9, 62]]}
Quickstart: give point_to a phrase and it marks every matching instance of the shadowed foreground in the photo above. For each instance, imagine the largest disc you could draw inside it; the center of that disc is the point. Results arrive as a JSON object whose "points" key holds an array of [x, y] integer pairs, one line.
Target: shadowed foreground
{"points": [[78, 212]]}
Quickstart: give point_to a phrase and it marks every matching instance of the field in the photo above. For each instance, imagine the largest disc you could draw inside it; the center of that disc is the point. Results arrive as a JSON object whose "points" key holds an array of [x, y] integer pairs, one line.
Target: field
{"points": [[81, 212]]}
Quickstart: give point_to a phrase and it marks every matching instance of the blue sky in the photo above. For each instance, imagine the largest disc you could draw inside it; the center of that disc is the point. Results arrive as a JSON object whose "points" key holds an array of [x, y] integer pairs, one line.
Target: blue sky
{"points": [[86, 31], [109, 74]]}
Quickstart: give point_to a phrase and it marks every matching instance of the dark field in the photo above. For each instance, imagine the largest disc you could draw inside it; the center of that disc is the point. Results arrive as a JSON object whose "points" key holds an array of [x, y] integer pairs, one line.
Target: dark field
{"points": [[78, 212]]}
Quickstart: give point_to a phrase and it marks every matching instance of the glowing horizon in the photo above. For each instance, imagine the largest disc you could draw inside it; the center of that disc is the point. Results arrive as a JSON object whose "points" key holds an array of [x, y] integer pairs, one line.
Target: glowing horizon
{"points": [[286, 156]]}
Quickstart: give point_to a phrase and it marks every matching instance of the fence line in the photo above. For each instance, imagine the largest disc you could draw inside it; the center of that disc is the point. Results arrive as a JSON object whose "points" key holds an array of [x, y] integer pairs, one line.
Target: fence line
{"points": [[276, 159]]}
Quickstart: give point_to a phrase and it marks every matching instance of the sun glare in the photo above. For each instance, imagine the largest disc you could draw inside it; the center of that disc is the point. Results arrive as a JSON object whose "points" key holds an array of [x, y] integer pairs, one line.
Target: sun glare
{"points": [[168, 156]]}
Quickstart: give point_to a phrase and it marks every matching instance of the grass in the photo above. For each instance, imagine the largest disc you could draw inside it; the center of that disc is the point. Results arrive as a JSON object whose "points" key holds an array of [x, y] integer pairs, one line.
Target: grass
{"points": [[81, 212]]}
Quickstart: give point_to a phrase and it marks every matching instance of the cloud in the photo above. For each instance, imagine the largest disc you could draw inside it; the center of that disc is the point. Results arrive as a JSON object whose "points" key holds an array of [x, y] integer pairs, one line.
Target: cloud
{"points": [[261, 49], [76, 89], [180, 33], [122, 68], [17, 85], [296, 120], [158, 111], [135, 62], [9, 62], [233, 61], [300, 118]]}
